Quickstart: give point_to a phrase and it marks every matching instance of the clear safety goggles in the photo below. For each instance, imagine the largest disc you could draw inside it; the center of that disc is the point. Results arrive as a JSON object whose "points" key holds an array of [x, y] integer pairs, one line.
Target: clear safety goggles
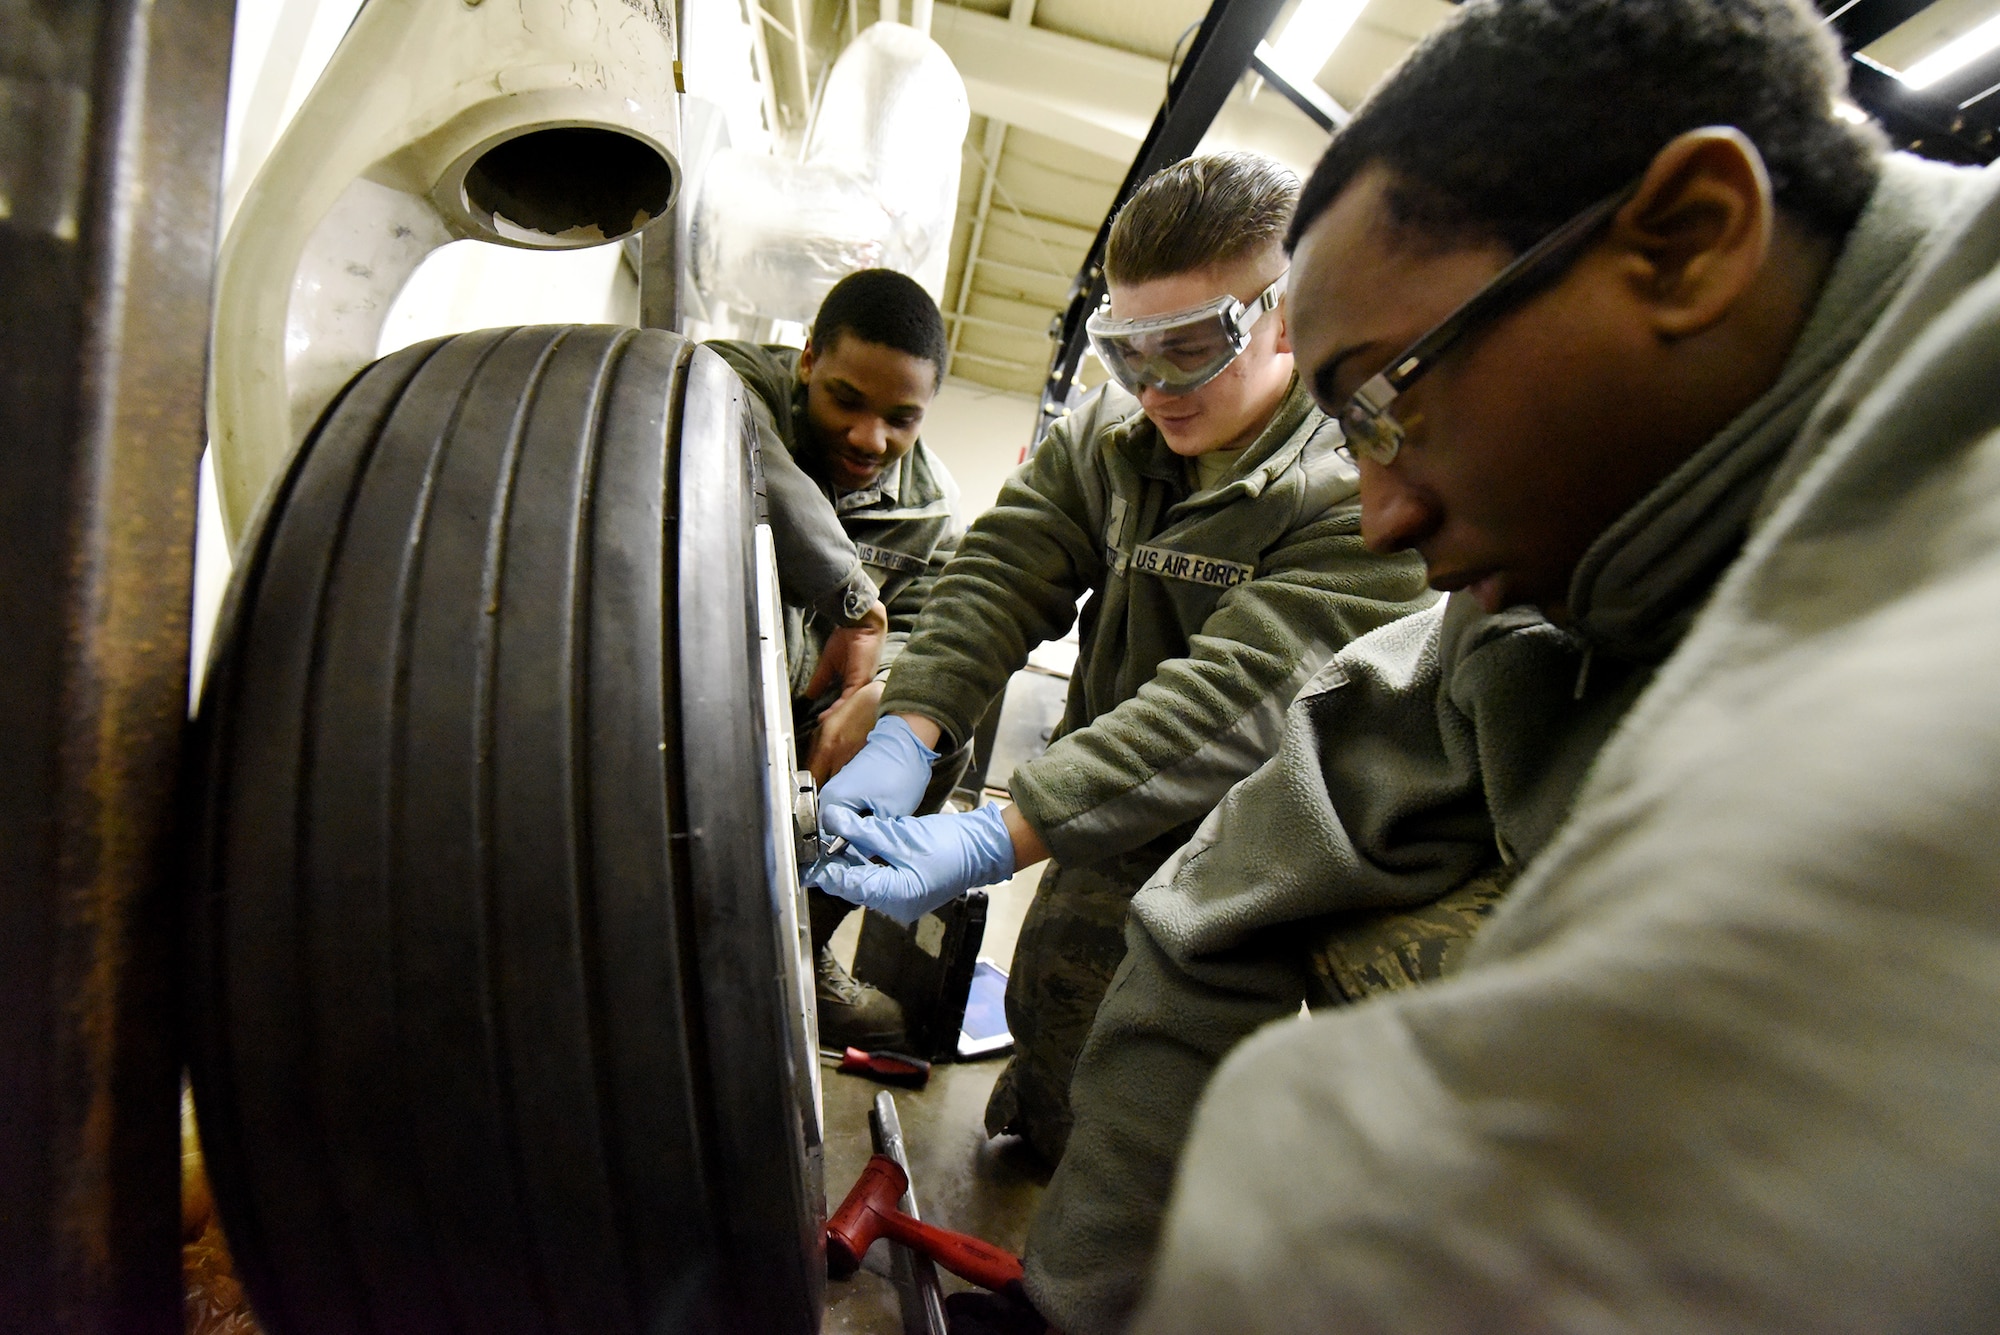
{"points": [[1183, 350]]}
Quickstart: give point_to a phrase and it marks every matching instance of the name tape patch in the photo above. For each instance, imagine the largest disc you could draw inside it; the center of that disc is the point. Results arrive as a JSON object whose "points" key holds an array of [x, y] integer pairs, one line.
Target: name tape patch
{"points": [[889, 560], [1192, 567]]}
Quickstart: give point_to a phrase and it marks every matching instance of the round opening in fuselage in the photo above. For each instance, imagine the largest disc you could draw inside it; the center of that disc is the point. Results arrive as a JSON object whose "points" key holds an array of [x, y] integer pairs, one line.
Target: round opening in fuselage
{"points": [[573, 184]]}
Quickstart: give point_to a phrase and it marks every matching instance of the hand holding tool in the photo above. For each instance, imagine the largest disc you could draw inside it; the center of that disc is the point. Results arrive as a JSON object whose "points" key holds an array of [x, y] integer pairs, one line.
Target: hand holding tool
{"points": [[929, 860], [870, 1212], [832, 853]]}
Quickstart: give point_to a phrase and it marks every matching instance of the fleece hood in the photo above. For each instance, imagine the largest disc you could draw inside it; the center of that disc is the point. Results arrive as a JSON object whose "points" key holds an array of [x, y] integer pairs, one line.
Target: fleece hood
{"points": [[1639, 585]]}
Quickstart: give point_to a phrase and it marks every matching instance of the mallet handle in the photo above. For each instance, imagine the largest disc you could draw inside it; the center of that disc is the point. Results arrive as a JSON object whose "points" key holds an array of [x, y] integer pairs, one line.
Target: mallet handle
{"points": [[869, 1212], [969, 1258]]}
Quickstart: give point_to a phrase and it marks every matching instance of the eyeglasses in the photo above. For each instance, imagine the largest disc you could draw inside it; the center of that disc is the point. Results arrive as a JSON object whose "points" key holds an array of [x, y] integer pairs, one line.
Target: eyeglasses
{"points": [[1374, 432], [1180, 351]]}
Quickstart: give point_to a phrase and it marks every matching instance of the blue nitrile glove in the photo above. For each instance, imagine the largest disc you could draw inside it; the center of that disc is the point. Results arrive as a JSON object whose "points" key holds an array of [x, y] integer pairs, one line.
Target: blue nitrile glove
{"points": [[932, 859], [886, 777]]}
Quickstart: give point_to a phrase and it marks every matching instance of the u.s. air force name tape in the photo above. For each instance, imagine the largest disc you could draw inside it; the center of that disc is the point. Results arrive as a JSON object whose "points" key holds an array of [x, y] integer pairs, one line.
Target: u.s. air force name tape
{"points": [[889, 560], [1192, 567]]}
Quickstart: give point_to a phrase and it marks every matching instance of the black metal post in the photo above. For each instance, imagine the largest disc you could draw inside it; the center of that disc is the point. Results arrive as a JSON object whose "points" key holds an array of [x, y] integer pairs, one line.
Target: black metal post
{"points": [[1318, 106], [111, 116]]}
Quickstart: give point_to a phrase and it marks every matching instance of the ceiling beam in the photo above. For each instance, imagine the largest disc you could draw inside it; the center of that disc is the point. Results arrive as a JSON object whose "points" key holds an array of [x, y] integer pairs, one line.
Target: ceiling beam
{"points": [[1860, 22], [989, 169], [1093, 96], [997, 326], [1096, 97]]}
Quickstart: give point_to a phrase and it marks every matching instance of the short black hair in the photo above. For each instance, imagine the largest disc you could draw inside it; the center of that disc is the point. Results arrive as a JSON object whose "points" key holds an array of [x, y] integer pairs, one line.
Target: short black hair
{"points": [[1517, 114], [886, 307]]}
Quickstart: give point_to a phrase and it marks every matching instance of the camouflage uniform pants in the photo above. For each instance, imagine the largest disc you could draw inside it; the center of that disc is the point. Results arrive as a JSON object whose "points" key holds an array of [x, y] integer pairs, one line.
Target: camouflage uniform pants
{"points": [[1072, 941]]}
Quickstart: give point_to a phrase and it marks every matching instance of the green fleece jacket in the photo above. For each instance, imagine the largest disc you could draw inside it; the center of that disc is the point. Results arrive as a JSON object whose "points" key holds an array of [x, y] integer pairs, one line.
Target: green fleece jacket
{"points": [[1419, 755], [1208, 609], [893, 538]]}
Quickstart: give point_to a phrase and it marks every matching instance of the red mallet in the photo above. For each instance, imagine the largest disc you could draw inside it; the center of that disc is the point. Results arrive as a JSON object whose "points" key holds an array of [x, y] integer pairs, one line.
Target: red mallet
{"points": [[870, 1212]]}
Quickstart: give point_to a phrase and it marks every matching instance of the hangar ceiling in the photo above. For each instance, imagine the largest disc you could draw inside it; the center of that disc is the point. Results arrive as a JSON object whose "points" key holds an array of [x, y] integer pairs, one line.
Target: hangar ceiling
{"points": [[1063, 91], [1061, 99]]}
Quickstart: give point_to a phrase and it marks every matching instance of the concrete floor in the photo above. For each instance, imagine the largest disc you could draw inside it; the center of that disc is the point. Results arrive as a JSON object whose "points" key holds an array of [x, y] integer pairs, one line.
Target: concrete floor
{"points": [[961, 1179]]}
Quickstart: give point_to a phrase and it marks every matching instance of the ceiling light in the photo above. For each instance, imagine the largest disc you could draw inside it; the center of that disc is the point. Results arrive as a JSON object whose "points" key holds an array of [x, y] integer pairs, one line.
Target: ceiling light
{"points": [[1309, 38], [1953, 56]]}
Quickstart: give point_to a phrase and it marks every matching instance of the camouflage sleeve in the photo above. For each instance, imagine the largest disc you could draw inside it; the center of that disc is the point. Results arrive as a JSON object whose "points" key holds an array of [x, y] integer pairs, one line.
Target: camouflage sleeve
{"points": [[1359, 955], [1013, 583]]}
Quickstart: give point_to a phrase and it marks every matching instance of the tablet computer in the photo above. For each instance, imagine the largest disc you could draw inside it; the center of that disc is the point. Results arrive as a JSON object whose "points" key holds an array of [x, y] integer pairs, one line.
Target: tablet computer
{"points": [[984, 1032]]}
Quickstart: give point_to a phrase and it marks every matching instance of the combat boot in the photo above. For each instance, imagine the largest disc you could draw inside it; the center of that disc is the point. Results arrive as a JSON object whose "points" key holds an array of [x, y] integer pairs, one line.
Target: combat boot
{"points": [[851, 1013]]}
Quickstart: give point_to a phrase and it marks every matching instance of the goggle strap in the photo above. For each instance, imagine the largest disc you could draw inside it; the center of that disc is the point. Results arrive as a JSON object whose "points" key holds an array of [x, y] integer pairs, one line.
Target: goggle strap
{"points": [[1266, 302]]}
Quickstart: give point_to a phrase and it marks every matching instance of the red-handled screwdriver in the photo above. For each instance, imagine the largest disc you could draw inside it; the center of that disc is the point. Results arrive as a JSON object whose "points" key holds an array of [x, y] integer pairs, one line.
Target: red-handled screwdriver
{"points": [[887, 1068]]}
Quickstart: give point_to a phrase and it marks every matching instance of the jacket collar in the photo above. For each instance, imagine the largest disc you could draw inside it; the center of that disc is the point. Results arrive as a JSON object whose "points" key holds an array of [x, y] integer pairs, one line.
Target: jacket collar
{"points": [[1639, 586]]}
